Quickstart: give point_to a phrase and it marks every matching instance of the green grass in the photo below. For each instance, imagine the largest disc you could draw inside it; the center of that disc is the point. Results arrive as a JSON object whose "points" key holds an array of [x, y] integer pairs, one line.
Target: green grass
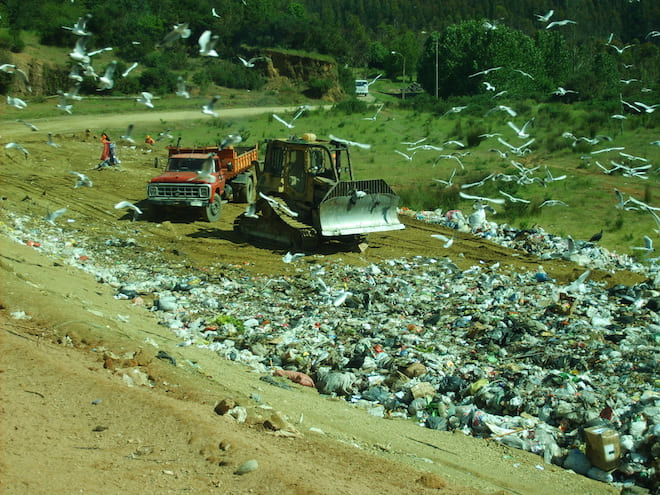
{"points": [[588, 191]]}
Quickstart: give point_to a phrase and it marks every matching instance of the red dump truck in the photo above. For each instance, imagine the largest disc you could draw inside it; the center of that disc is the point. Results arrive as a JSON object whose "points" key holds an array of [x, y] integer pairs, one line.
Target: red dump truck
{"points": [[202, 178]]}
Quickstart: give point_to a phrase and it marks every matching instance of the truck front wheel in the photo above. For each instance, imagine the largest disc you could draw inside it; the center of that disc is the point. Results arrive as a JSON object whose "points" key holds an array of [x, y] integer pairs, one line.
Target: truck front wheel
{"points": [[212, 210]]}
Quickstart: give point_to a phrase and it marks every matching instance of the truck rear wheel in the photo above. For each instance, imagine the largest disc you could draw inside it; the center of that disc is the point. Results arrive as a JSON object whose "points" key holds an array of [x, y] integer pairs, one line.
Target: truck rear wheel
{"points": [[213, 210], [247, 192]]}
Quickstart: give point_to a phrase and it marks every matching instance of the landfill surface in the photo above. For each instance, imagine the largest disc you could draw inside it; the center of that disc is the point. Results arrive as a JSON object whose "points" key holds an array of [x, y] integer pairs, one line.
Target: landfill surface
{"points": [[514, 340]]}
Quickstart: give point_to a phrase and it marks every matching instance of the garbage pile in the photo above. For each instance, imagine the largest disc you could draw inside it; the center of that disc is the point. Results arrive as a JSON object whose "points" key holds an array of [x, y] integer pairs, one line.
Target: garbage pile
{"points": [[569, 372]]}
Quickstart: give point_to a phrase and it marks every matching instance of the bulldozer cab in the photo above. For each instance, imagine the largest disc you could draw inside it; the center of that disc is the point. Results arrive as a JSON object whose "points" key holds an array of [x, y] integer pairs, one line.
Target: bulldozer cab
{"points": [[303, 169]]}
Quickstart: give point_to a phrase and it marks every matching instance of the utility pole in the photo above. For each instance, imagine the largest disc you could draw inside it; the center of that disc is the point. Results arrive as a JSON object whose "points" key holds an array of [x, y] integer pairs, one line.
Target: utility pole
{"points": [[403, 90], [436, 66]]}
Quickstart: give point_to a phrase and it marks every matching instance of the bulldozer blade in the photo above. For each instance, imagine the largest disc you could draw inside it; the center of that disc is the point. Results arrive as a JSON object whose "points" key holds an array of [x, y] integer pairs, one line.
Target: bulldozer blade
{"points": [[359, 207]]}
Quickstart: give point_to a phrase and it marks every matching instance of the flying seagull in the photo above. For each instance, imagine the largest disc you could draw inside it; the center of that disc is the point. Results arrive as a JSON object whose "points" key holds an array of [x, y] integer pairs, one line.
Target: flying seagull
{"points": [[145, 99], [230, 140], [207, 44], [560, 23], [648, 245], [546, 17], [206, 174], [352, 143], [83, 180], [79, 28], [448, 241], [51, 217], [50, 141], [127, 135], [79, 53], [18, 147], [487, 71], [290, 125], [106, 81], [179, 31], [208, 108], [181, 88], [449, 182], [127, 204], [250, 63], [28, 124], [522, 133], [512, 198], [63, 105], [497, 201], [376, 114], [405, 155], [16, 102], [127, 71]]}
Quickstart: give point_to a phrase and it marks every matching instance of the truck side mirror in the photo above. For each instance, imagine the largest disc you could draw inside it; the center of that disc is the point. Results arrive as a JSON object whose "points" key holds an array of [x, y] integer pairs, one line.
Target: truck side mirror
{"points": [[230, 166]]}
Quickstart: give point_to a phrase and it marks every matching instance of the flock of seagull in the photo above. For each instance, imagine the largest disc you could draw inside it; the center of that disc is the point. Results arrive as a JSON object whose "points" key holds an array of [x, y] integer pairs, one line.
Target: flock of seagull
{"points": [[82, 67]]}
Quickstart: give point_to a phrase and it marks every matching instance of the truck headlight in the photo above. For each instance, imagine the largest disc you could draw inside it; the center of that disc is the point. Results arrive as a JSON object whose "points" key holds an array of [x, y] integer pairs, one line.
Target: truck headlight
{"points": [[204, 192], [152, 190]]}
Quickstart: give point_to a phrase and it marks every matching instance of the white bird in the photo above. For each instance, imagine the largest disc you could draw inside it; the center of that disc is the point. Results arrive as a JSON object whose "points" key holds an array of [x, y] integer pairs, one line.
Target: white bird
{"points": [[405, 155], [28, 124], [290, 125], [351, 143], [449, 157], [374, 80], [648, 245], [250, 63], [215, 14], [501, 153], [449, 182], [80, 27], [489, 135], [63, 105], [106, 81], [127, 135], [478, 183], [628, 81], [486, 71], [455, 143], [512, 198], [72, 92], [75, 73], [50, 141], [489, 86], [18, 147], [127, 71], [618, 116], [8, 68], [145, 99], [458, 109], [448, 240], [79, 53], [207, 44], [621, 50], [51, 217], [552, 202], [633, 157], [290, 257], [503, 108], [549, 178], [526, 74], [652, 34], [560, 23], [100, 50], [425, 147], [546, 17], [605, 150], [179, 31], [206, 173], [208, 108], [16, 102], [414, 143], [376, 114], [127, 204], [500, 93], [164, 135], [520, 150], [83, 180], [181, 88], [497, 201], [647, 108], [521, 133], [562, 92], [230, 139]]}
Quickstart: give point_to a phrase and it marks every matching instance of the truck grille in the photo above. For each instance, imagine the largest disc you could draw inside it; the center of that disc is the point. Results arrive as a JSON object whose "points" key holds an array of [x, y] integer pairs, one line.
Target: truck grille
{"points": [[179, 191]]}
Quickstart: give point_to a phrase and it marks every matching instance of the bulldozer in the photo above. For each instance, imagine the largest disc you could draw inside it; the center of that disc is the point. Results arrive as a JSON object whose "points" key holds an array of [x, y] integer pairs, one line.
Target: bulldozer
{"points": [[307, 196]]}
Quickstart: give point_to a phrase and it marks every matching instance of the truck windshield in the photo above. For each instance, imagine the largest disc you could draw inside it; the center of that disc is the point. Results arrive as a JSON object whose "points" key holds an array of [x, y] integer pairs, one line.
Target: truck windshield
{"points": [[185, 164]]}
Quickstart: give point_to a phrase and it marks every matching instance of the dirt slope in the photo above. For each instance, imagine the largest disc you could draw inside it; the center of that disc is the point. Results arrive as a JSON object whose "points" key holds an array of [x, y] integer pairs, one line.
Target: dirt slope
{"points": [[71, 422]]}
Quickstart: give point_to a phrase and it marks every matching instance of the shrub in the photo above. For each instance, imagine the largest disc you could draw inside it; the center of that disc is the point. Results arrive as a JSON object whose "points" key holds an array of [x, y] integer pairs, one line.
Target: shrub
{"points": [[319, 87]]}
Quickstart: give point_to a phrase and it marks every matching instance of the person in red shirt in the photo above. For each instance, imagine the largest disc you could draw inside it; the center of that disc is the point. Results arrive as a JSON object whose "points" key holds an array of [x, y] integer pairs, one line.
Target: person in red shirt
{"points": [[105, 155]]}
